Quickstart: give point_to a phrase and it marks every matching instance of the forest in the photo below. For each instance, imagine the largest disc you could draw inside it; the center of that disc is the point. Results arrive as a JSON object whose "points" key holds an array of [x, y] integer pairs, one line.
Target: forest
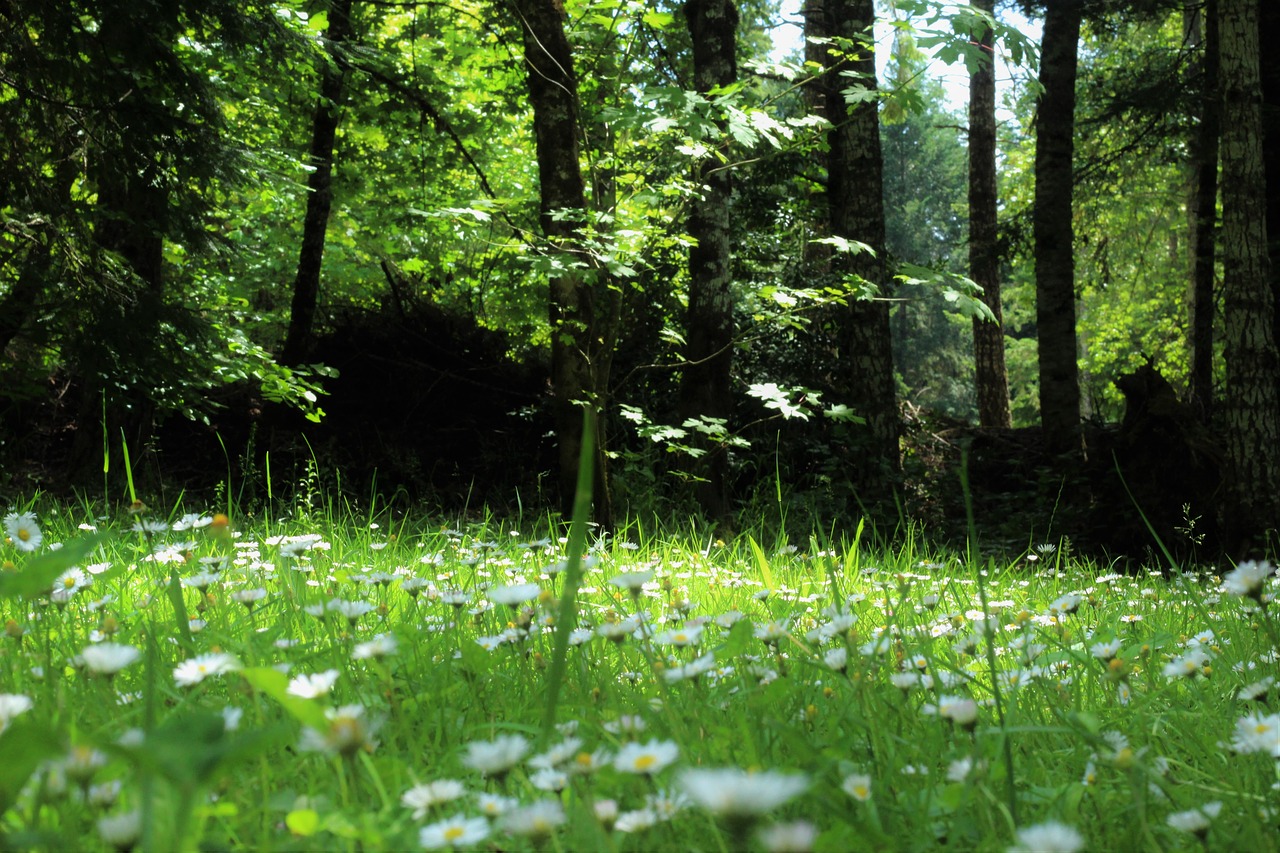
{"points": [[777, 426], [807, 263]]}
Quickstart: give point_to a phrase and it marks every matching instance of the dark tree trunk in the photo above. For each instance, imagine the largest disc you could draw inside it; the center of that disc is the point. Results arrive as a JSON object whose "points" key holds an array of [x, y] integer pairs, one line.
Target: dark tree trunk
{"points": [[1055, 266], [705, 383], [1204, 210], [1251, 409], [580, 341], [991, 379], [324, 130], [855, 200], [1269, 32]]}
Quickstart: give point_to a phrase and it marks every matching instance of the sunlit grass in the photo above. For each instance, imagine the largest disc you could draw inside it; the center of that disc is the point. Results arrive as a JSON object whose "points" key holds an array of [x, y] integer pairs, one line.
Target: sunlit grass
{"points": [[381, 683]]}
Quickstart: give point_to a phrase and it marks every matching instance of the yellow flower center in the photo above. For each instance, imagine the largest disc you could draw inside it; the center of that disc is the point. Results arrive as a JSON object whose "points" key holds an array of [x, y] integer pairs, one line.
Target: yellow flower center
{"points": [[453, 833], [644, 762], [24, 534]]}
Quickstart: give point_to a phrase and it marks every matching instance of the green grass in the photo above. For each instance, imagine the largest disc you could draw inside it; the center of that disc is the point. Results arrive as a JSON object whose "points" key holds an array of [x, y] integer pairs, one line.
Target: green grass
{"points": [[953, 724]]}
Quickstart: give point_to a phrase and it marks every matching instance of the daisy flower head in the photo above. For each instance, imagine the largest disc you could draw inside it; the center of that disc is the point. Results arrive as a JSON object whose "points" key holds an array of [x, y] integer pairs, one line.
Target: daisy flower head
{"points": [[960, 710], [108, 658], [459, 831], [516, 595], [1190, 665], [631, 583], [858, 786], [23, 531], [1257, 733], [1195, 821], [380, 646], [495, 805], [422, 797], [646, 759], [496, 757], [737, 794], [550, 779], [536, 820], [1258, 690], [1106, 651], [350, 730], [121, 831], [795, 837], [312, 686], [349, 610], [691, 670], [11, 705], [1048, 837], [195, 670], [680, 637], [1248, 579]]}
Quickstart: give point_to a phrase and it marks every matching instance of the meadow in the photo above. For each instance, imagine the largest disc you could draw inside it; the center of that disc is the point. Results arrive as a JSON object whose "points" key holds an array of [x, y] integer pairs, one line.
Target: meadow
{"points": [[349, 681]]}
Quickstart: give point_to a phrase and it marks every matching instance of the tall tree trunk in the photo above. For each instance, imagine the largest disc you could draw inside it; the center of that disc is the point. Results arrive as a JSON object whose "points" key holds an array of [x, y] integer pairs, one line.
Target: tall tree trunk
{"points": [[991, 379], [1269, 32], [580, 340], [1054, 235], [1251, 410], [705, 383], [324, 130], [855, 196], [1203, 209]]}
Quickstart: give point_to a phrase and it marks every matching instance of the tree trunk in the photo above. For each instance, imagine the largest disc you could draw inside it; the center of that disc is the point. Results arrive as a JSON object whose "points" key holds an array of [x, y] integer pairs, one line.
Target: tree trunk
{"points": [[324, 130], [855, 195], [1268, 33], [1055, 267], [581, 342], [1251, 409], [1203, 210], [705, 383], [990, 378]]}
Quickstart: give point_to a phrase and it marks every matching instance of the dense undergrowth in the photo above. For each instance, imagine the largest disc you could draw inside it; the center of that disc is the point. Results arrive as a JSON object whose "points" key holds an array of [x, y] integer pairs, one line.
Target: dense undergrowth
{"points": [[383, 681]]}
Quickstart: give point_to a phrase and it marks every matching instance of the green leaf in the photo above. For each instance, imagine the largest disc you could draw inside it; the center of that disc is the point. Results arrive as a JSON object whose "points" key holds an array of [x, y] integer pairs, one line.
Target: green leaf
{"points": [[38, 574], [303, 822], [275, 684], [23, 746]]}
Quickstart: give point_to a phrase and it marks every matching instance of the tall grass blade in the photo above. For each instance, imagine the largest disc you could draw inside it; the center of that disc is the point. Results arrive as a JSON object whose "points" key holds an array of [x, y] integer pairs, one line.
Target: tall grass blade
{"points": [[567, 614]]}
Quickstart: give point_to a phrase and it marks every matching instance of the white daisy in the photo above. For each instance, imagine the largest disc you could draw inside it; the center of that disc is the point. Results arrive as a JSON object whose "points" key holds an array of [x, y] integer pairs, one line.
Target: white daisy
{"points": [[422, 797], [646, 759], [1048, 837], [459, 831], [734, 793], [23, 531]]}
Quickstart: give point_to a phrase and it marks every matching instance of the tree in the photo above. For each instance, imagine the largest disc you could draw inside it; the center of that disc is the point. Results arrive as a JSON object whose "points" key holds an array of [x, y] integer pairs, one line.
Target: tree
{"points": [[1251, 408], [580, 341], [1202, 27], [984, 256], [1269, 32], [1054, 235], [324, 129], [855, 204], [705, 390]]}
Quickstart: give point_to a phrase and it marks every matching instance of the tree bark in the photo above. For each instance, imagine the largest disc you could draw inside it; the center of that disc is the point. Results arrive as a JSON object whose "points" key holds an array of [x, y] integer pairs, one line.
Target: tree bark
{"points": [[1251, 409], [324, 131], [855, 195], [705, 382], [1054, 235], [1269, 32], [581, 343], [990, 379], [1204, 210]]}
